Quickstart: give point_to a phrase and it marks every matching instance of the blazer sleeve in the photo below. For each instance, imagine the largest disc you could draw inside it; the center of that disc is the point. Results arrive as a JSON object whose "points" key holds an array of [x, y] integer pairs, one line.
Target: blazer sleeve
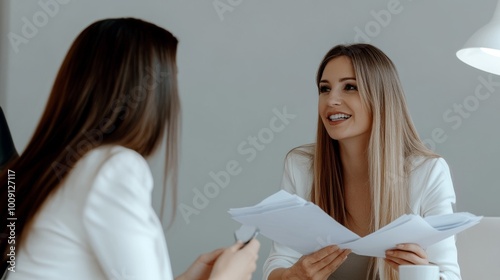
{"points": [[123, 230], [438, 198], [295, 180]]}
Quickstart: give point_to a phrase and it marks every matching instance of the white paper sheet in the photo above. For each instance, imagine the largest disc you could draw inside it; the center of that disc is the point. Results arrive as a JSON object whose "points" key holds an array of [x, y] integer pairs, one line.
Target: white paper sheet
{"points": [[303, 226]]}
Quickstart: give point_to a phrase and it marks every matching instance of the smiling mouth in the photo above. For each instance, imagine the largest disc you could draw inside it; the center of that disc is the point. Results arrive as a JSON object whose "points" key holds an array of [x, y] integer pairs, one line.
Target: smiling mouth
{"points": [[339, 117]]}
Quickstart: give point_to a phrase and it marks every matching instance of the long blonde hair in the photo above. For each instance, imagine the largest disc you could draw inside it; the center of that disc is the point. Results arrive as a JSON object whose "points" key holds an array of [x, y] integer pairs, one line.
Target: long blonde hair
{"points": [[393, 142]]}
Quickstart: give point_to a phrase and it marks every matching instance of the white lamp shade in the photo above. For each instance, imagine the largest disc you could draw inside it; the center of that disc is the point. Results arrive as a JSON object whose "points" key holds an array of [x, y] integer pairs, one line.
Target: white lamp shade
{"points": [[482, 50]]}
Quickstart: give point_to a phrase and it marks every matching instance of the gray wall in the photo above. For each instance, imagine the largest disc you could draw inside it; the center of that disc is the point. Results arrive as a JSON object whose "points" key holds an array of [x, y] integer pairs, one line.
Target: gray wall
{"points": [[4, 20], [240, 66]]}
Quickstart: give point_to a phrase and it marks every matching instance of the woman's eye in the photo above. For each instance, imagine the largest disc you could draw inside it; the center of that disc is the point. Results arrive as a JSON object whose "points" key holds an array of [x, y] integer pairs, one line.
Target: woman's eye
{"points": [[350, 87], [324, 89]]}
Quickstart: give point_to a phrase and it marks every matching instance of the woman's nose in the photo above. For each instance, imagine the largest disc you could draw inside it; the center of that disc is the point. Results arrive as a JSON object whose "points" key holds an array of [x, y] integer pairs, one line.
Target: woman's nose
{"points": [[334, 98]]}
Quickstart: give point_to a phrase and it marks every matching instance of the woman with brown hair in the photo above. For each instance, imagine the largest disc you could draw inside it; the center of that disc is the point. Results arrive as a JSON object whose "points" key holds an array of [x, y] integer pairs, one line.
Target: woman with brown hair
{"points": [[82, 186], [367, 168]]}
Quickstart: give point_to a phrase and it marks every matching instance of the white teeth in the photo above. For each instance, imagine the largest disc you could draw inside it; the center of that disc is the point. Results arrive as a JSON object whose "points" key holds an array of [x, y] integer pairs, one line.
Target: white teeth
{"points": [[337, 117]]}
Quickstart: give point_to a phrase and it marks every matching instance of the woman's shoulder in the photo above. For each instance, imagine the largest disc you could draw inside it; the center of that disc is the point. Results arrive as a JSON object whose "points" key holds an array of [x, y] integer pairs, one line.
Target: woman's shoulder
{"points": [[427, 161], [107, 160], [115, 154], [298, 170], [428, 164], [304, 153], [116, 167]]}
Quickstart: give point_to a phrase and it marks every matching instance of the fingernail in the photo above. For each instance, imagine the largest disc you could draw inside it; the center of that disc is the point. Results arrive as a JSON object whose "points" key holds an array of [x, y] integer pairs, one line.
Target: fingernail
{"points": [[400, 246]]}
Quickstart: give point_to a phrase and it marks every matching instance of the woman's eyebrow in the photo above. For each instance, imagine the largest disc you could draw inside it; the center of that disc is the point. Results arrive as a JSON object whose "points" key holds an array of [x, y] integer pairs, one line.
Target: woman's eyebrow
{"points": [[340, 80], [347, 78]]}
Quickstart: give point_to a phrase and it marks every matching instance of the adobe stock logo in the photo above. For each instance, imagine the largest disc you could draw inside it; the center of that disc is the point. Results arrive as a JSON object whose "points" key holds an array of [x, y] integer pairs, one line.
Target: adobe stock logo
{"points": [[458, 112], [381, 19], [31, 26], [248, 148], [223, 6]]}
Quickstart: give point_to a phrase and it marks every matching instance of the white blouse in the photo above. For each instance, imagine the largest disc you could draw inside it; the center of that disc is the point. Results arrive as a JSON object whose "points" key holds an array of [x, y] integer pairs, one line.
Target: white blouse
{"points": [[431, 193], [99, 224]]}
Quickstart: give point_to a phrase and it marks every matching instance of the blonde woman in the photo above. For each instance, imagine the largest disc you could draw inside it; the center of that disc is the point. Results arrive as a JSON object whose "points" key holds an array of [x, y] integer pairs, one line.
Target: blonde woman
{"points": [[367, 168]]}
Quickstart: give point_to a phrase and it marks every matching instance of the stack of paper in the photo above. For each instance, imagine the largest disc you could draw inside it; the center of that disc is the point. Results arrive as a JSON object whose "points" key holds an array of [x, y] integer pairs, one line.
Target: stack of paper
{"points": [[301, 225]]}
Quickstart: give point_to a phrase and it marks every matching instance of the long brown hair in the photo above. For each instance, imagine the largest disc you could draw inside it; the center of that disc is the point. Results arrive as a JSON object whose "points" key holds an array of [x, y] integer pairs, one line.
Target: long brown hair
{"points": [[393, 143], [117, 85]]}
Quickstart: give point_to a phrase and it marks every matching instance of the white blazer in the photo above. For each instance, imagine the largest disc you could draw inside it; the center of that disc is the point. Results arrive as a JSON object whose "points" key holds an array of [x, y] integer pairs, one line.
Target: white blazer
{"points": [[431, 193], [99, 224]]}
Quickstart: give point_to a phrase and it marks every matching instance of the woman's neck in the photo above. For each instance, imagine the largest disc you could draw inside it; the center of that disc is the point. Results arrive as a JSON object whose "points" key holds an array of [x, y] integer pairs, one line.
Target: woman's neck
{"points": [[354, 157]]}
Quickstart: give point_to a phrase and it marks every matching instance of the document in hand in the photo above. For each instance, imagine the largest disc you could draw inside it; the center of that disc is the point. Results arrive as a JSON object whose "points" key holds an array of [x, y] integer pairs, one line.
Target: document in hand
{"points": [[301, 225]]}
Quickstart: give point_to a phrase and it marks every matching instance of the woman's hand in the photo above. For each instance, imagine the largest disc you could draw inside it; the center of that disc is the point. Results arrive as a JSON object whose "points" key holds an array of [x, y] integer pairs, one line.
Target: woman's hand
{"points": [[406, 254], [231, 263], [236, 262], [202, 266], [318, 265]]}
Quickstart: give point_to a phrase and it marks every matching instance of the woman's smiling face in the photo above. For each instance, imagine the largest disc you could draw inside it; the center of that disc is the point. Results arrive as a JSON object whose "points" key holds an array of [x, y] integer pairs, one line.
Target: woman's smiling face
{"points": [[340, 106]]}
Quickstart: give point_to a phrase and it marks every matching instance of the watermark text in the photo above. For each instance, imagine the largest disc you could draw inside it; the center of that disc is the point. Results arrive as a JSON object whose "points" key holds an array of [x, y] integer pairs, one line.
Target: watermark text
{"points": [[11, 220]]}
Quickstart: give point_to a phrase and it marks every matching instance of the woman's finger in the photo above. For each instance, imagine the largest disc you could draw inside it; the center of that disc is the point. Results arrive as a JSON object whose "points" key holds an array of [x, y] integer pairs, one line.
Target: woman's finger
{"points": [[415, 248], [399, 261], [328, 268], [236, 246], [210, 258], [252, 246], [319, 255], [392, 264], [405, 257], [408, 253], [315, 265]]}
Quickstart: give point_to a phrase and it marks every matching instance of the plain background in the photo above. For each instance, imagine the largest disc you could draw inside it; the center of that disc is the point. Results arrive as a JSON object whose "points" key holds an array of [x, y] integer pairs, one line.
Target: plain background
{"points": [[238, 67]]}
